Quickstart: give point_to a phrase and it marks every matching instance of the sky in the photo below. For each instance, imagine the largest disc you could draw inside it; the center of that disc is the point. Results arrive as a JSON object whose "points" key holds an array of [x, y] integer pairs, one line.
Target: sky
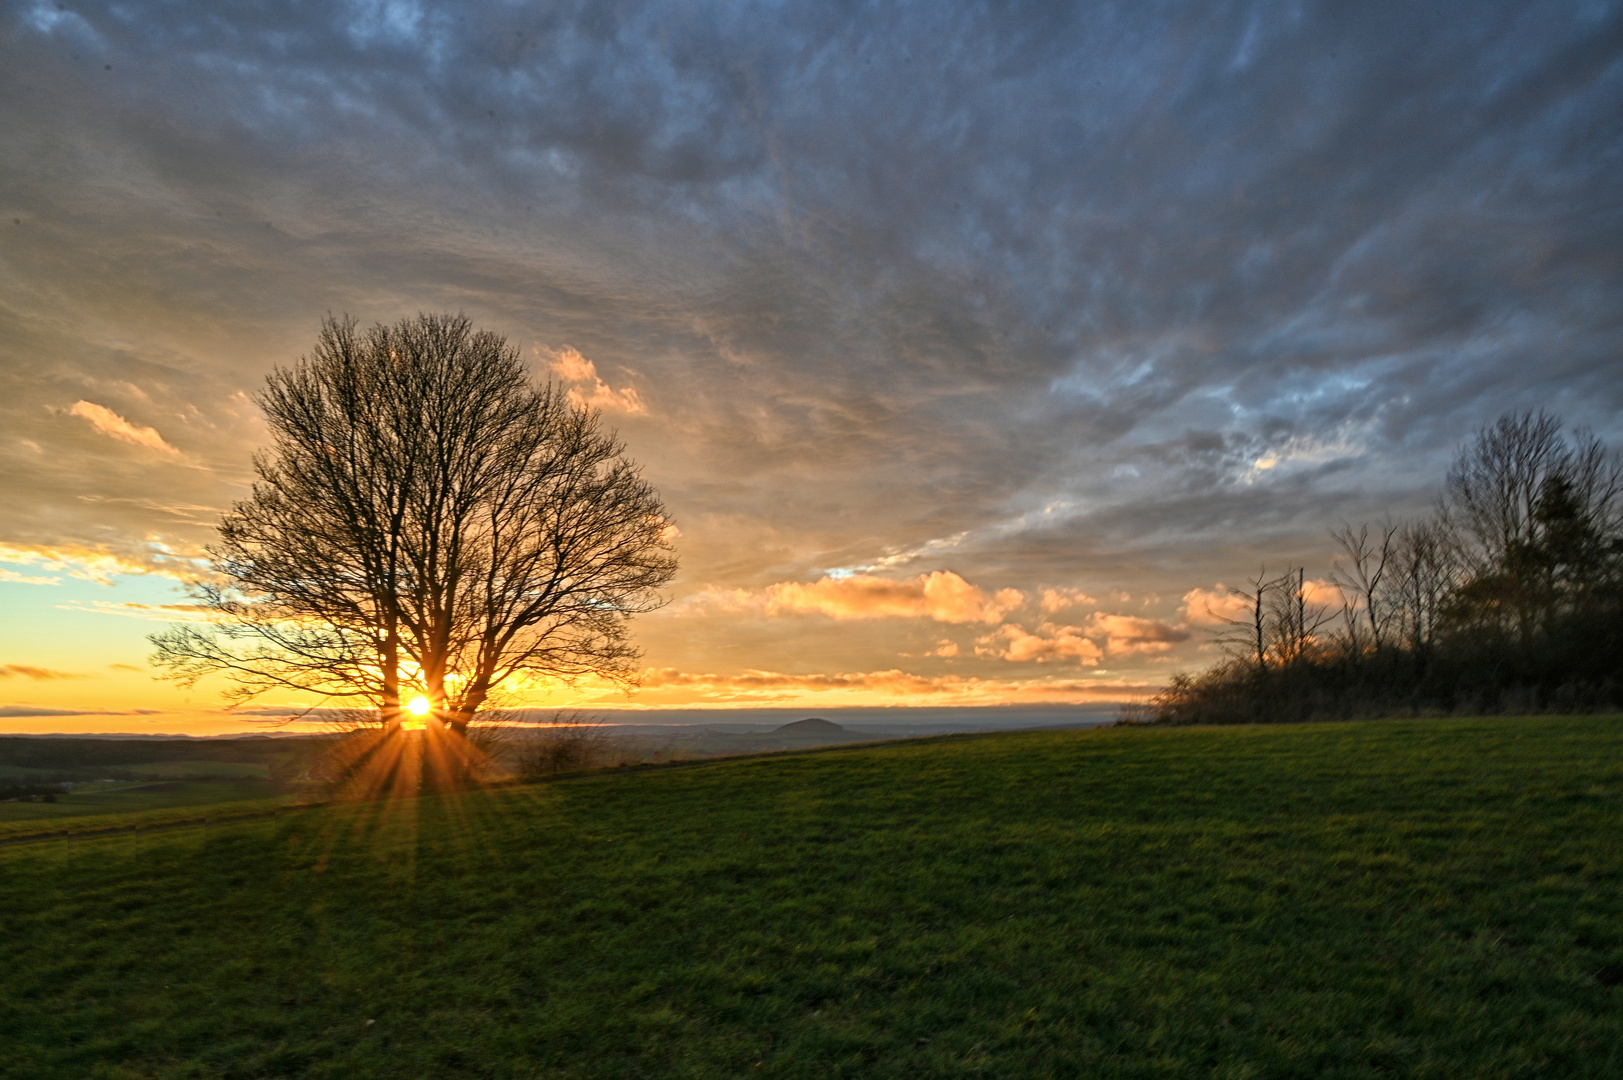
{"points": [[975, 349]]}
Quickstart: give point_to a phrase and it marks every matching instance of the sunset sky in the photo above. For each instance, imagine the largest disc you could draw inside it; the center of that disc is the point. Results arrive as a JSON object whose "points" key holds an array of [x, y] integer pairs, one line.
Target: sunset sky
{"points": [[974, 348]]}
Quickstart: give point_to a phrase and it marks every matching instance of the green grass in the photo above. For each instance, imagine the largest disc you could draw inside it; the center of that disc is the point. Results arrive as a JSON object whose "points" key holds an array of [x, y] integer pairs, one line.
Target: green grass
{"points": [[211, 769], [1418, 898], [126, 797], [168, 769]]}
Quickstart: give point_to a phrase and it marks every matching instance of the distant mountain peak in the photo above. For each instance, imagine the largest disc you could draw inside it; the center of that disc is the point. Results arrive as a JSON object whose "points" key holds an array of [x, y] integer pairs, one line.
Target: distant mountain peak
{"points": [[814, 725]]}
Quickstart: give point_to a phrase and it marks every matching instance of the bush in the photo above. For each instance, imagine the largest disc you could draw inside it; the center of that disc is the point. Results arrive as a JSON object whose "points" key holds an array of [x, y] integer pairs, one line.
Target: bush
{"points": [[564, 743]]}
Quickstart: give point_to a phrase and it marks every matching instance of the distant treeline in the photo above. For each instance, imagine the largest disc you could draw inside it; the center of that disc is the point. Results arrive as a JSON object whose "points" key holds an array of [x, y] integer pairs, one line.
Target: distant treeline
{"points": [[1509, 598]]}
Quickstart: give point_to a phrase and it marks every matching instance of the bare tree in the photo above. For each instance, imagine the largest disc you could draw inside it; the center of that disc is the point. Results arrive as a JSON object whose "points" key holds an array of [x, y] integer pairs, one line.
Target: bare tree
{"points": [[1426, 565], [1250, 637], [427, 523], [1294, 621], [1365, 580]]}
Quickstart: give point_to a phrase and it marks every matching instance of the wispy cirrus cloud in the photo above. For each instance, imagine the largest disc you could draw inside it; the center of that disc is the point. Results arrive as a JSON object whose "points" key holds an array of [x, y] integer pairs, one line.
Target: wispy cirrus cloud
{"points": [[133, 610], [27, 579], [38, 674], [114, 426], [95, 564]]}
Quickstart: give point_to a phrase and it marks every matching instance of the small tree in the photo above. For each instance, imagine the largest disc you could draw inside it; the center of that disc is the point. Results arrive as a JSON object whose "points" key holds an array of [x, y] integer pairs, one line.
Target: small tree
{"points": [[427, 523]]}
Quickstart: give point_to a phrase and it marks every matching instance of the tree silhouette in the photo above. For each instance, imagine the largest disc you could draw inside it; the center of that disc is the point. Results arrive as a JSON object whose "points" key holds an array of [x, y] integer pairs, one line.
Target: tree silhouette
{"points": [[1509, 598], [427, 523]]}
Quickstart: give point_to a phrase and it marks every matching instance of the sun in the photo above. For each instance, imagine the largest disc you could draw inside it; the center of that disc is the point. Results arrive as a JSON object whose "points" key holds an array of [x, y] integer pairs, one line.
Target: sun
{"points": [[417, 707]]}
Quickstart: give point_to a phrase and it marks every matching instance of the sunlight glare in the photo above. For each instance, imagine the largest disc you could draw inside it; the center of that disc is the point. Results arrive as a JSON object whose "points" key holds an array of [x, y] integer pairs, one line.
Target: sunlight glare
{"points": [[417, 707]]}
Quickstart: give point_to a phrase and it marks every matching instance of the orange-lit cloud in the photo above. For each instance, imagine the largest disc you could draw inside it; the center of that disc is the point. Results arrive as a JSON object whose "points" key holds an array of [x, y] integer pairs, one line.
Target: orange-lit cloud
{"points": [[941, 595], [712, 601], [1049, 642], [1321, 593], [1127, 634], [588, 390], [91, 564], [1059, 599], [1211, 607], [114, 426], [889, 687], [23, 671]]}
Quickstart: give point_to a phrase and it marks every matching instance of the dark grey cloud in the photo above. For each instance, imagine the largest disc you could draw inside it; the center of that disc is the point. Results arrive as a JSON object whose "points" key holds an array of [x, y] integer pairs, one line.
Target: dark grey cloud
{"points": [[1056, 280]]}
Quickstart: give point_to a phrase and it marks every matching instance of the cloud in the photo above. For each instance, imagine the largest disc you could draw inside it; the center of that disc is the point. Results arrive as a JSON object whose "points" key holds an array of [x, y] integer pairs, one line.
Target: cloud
{"points": [[1059, 599], [1214, 607], [1115, 635], [588, 390], [91, 564], [888, 686], [111, 424], [1221, 604], [1322, 593], [130, 609], [940, 595], [26, 579], [1125, 635], [713, 601], [9, 671], [1049, 642]]}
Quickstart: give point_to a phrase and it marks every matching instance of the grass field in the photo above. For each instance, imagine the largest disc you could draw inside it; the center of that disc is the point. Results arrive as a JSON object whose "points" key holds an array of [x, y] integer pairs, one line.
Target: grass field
{"points": [[125, 797], [1416, 898]]}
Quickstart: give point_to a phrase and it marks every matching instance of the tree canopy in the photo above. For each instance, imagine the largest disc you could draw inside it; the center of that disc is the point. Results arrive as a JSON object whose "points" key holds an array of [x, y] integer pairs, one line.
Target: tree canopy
{"points": [[427, 523]]}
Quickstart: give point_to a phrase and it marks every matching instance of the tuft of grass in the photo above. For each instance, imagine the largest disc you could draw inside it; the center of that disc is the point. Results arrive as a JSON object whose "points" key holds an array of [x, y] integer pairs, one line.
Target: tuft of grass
{"points": [[1420, 898]]}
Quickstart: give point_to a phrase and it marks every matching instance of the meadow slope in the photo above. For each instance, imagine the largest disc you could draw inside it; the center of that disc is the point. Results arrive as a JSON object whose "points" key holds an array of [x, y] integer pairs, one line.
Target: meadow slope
{"points": [[1417, 898]]}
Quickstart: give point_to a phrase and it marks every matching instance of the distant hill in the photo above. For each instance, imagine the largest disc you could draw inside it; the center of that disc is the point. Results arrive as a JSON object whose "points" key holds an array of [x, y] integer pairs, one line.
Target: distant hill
{"points": [[811, 726]]}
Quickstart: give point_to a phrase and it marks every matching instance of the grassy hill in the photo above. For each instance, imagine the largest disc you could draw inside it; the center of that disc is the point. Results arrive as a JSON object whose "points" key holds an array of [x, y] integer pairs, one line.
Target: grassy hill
{"points": [[1418, 898], [88, 780]]}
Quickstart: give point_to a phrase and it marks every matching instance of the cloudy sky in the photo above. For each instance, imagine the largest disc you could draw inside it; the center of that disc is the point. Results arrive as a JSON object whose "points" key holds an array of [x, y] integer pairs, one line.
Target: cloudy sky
{"points": [[973, 347]]}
